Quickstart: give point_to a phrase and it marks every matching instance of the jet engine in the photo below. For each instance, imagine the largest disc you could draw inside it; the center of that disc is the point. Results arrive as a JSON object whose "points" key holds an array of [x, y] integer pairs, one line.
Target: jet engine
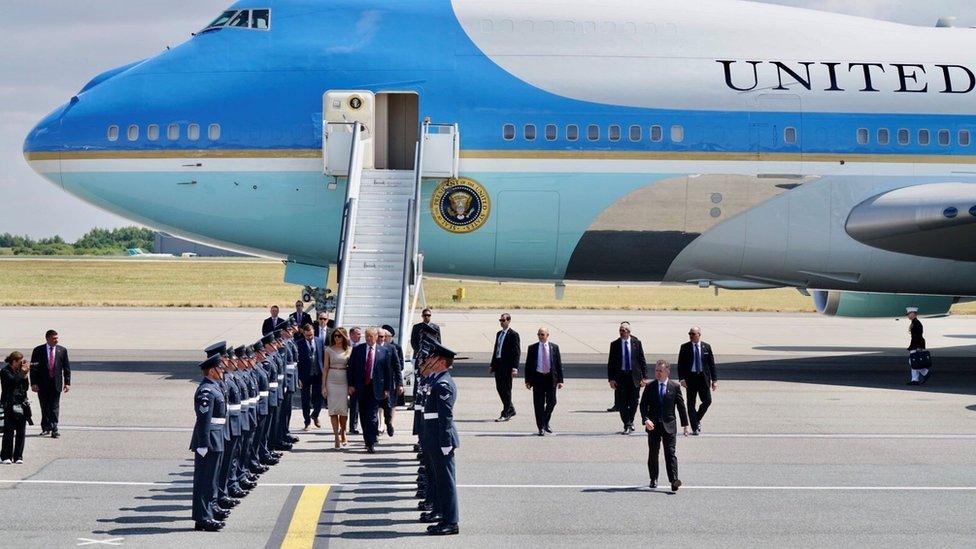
{"points": [[872, 305]]}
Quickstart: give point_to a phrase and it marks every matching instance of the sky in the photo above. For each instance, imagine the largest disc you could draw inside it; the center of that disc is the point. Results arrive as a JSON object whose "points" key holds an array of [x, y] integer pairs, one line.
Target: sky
{"points": [[50, 48]]}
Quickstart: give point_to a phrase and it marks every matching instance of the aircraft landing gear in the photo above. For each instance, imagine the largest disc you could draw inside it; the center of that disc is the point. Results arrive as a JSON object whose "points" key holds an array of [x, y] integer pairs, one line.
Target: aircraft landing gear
{"points": [[323, 301]]}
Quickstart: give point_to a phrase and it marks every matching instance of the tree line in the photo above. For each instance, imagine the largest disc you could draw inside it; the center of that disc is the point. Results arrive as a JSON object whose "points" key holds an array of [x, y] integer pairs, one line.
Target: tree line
{"points": [[95, 242]]}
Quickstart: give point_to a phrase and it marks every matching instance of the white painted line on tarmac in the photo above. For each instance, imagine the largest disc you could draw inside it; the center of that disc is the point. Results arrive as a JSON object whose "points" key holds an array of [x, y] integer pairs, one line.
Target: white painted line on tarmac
{"points": [[538, 486]]}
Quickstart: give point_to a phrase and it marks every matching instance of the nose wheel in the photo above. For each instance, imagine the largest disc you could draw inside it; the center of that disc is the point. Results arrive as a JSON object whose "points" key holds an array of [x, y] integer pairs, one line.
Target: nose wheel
{"points": [[321, 296]]}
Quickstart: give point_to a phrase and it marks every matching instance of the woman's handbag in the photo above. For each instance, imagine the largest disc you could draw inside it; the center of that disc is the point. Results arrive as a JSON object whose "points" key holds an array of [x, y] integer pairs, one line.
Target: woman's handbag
{"points": [[28, 414]]}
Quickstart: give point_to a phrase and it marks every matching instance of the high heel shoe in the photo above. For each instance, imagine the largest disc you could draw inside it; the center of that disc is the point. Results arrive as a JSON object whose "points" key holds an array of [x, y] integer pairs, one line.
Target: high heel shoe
{"points": [[343, 439], [338, 443]]}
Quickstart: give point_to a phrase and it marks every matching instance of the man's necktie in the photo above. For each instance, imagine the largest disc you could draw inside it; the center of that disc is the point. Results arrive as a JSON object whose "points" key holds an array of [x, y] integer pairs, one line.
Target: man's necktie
{"points": [[545, 359], [369, 365], [50, 361], [626, 356], [697, 359], [660, 397], [498, 346]]}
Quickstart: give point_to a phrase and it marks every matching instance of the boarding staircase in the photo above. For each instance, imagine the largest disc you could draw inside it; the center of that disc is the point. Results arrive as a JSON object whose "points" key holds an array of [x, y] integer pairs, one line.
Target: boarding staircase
{"points": [[380, 264]]}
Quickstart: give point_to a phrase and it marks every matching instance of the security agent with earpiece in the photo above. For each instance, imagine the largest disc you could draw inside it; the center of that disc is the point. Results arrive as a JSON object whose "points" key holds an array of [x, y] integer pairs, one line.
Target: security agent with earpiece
{"points": [[439, 438], [207, 444]]}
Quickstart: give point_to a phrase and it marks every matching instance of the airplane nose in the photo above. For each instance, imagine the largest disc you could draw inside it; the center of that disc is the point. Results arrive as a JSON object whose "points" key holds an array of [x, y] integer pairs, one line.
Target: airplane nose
{"points": [[42, 147]]}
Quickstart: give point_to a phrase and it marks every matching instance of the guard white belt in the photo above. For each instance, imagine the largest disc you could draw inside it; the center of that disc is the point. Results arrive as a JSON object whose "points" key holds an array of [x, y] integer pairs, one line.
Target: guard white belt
{"points": [[218, 420], [273, 385], [432, 415], [281, 376], [245, 404], [420, 409], [253, 400], [234, 407], [262, 394], [291, 366]]}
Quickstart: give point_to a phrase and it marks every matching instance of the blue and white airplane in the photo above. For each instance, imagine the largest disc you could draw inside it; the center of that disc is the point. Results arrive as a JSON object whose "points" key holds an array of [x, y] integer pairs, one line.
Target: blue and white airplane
{"points": [[726, 143]]}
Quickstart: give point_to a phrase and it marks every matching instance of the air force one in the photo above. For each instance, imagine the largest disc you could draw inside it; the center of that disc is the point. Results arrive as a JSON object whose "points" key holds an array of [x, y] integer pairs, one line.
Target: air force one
{"points": [[735, 144]]}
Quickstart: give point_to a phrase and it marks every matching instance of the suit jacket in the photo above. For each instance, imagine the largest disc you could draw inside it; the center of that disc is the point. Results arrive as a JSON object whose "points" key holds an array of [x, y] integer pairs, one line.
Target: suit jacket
{"points": [[511, 352], [383, 379], [918, 342], [419, 329], [638, 364], [397, 364], [686, 361], [308, 368], [305, 319], [532, 375], [39, 368], [328, 329], [269, 325], [650, 405]]}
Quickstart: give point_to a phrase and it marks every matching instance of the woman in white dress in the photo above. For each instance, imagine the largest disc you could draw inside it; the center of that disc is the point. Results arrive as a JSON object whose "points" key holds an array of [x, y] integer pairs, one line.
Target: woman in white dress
{"points": [[335, 386]]}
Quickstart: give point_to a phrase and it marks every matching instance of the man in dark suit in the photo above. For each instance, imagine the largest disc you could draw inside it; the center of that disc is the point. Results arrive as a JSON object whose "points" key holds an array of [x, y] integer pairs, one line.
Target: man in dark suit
{"points": [[309, 376], [627, 373], [661, 398], [504, 364], [50, 375], [426, 327], [544, 375], [696, 370], [300, 317], [323, 320], [272, 321], [370, 374]]}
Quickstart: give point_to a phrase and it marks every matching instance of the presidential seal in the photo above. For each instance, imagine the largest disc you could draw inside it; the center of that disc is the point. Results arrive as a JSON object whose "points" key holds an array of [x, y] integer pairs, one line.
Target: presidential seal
{"points": [[460, 205]]}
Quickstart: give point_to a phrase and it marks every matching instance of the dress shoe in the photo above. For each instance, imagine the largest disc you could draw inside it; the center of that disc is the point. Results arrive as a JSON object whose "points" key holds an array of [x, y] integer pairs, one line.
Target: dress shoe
{"points": [[237, 492], [18, 462], [292, 439], [207, 526], [501, 418], [284, 447], [425, 506], [370, 449], [259, 469], [421, 494], [695, 432], [276, 455], [913, 382], [652, 485], [270, 461], [247, 485], [6, 462], [431, 517], [416, 448], [613, 409], [925, 378], [55, 434], [511, 415], [45, 433], [541, 433], [228, 503], [547, 429], [354, 432], [306, 428], [443, 529], [421, 470], [389, 429], [317, 424], [675, 485], [220, 514]]}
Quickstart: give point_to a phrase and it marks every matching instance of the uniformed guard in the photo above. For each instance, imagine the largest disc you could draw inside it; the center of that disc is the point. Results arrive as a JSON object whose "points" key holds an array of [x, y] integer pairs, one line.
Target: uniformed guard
{"points": [[440, 439], [207, 445], [249, 451], [261, 377], [236, 416], [426, 490], [232, 429], [245, 480], [270, 369], [291, 384]]}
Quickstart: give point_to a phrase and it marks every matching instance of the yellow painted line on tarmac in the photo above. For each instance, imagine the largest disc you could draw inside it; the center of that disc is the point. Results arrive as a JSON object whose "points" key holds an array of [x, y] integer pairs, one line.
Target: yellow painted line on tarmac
{"points": [[305, 520]]}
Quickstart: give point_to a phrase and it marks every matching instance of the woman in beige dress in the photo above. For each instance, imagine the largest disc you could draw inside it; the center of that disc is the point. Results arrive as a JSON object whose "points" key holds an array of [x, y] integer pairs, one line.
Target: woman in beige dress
{"points": [[335, 387]]}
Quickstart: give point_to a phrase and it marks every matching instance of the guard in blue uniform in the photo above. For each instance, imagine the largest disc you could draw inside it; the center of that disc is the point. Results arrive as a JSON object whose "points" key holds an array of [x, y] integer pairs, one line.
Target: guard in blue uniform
{"points": [[276, 355], [440, 440], [291, 385], [232, 429], [249, 452], [207, 444], [267, 365], [425, 486], [261, 377], [245, 479], [237, 421]]}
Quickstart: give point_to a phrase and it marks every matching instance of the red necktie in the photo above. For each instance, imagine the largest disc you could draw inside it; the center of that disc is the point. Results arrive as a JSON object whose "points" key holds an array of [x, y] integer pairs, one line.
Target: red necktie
{"points": [[369, 365], [50, 361]]}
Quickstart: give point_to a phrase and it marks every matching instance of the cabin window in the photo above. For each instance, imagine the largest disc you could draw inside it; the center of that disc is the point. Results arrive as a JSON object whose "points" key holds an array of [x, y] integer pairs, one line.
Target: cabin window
{"points": [[213, 132], [529, 132], [636, 133], [944, 138], [924, 137], [152, 132], [173, 132], [132, 133], [863, 136], [789, 135], [964, 138], [113, 133], [904, 137], [613, 132], [241, 19], [508, 132], [593, 132], [261, 19], [193, 132], [677, 133], [552, 132], [657, 133], [572, 132], [883, 136]]}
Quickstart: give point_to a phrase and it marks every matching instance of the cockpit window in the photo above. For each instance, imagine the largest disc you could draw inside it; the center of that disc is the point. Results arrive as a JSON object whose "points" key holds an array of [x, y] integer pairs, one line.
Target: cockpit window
{"points": [[258, 19]]}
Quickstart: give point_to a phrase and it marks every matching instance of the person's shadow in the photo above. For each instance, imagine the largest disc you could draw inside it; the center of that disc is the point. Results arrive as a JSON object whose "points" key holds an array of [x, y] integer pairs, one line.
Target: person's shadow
{"points": [[168, 512]]}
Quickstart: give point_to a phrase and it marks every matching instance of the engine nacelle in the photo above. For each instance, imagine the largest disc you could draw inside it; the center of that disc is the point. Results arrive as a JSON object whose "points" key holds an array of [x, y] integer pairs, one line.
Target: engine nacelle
{"points": [[868, 305]]}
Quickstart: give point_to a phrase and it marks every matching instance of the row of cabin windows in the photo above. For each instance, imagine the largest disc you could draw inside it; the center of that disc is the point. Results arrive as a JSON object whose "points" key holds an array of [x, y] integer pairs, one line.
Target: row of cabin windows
{"points": [[615, 133], [904, 137], [172, 132]]}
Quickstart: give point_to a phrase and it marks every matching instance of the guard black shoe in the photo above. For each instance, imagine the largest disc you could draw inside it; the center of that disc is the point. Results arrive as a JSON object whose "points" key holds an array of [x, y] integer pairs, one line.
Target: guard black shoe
{"points": [[220, 514], [695, 432], [389, 429], [55, 434], [354, 432], [652, 485], [237, 492], [430, 517], [613, 409], [425, 506], [276, 455], [269, 461], [547, 429], [443, 529], [416, 448], [421, 494], [370, 449], [675, 485], [541, 433], [207, 526], [292, 439], [228, 503]]}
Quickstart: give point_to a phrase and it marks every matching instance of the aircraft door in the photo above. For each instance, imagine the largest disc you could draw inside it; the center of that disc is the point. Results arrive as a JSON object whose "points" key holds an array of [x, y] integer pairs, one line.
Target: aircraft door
{"points": [[340, 110], [777, 134]]}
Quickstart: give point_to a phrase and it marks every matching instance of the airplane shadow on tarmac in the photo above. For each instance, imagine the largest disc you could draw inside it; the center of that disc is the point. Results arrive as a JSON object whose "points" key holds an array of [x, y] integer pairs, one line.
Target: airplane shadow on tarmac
{"points": [[164, 508]]}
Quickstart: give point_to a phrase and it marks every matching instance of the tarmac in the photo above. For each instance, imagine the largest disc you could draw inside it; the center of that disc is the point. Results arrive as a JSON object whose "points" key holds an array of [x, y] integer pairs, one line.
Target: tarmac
{"points": [[813, 439]]}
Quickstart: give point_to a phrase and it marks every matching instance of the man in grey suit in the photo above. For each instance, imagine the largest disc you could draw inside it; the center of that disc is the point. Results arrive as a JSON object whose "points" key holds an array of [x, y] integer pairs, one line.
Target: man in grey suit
{"points": [[660, 400]]}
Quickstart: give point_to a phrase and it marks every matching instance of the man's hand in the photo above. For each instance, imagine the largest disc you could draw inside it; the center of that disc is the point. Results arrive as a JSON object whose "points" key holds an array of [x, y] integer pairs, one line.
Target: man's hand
{"points": [[649, 425], [514, 373], [613, 384], [715, 386], [352, 391], [35, 388], [645, 382], [202, 452], [559, 385], [67, 388], [684, 384], [685, 429], [446, 450]]}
